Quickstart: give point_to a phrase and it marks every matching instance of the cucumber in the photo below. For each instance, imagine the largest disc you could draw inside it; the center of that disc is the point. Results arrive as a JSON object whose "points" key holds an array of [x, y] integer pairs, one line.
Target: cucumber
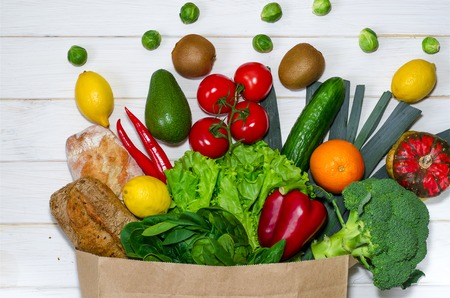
{"points": [[314, 122]]}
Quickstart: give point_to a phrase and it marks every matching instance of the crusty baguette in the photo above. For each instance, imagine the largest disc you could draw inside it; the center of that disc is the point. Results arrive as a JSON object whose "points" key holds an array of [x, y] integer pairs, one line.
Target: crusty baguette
{"points": [[91, 216], [97, 152]]}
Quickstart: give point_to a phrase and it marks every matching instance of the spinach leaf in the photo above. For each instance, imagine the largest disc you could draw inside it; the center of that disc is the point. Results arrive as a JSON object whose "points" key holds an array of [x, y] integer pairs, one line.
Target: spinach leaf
{"points": [[211, 236], [267, 255]]}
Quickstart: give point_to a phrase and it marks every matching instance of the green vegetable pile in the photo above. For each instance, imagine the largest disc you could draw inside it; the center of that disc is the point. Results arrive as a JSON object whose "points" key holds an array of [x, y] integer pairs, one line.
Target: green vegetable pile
{"points": [[239, 182], [386, 231], [217, 203], [210, 236]]}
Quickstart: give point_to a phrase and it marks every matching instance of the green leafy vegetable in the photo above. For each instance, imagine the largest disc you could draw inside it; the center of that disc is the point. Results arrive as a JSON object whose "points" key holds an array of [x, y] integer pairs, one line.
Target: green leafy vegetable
{"points": [[151, 40], [77, 55], [321, 7], [239, 182], [355, 114], [338, 129], [189, 13], [403, 116], [368, 40], [262, 43], [271, 12], [273, 136], [374, 118], [311, 89], [191, 182], [211, 236], [430, 45]]}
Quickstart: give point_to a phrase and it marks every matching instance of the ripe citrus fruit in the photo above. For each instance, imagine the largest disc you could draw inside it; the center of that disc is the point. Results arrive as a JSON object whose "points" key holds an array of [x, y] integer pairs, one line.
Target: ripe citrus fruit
{"points": [[94, 97], [414, 80], [145, 196], [335, 164]]}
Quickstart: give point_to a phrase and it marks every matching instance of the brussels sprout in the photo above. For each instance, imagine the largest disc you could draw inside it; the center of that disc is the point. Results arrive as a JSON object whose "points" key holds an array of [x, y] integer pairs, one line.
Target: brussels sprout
{"points": [[430, 45], [271, 12], [368, 40], [189, 13], [262, 43], [77, 55], [321, 7], [151, 40]]}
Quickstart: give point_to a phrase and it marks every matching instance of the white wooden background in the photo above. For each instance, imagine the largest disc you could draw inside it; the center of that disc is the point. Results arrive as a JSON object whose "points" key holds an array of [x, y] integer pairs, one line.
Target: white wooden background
{"points": [[38, 112]]}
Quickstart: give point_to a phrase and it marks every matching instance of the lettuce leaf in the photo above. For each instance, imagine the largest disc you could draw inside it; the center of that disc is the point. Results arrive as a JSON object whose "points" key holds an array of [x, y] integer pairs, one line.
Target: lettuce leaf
{"points": [[239, 182], [191, 182]]}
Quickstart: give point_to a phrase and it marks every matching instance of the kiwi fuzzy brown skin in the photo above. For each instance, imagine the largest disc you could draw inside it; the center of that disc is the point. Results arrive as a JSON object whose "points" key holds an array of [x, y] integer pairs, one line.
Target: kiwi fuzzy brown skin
{"points": [[301, 66], [193, 56]]}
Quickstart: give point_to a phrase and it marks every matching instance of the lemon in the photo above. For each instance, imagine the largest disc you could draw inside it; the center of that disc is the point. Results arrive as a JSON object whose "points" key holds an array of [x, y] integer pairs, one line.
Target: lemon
{"points": [[94, 97], [145, 196], [414, 80]]}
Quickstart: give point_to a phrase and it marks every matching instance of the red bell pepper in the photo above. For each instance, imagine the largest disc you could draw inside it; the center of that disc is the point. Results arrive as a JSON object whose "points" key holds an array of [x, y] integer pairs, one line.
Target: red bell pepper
{"points": [[293, 217]]}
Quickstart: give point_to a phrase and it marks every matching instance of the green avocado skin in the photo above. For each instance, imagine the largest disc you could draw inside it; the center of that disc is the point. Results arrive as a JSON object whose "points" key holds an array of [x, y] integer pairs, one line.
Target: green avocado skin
{"points": [[168, 116]]}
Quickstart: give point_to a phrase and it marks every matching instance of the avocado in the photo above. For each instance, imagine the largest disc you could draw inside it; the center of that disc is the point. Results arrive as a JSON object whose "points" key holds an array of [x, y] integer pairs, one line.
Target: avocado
{"points": [[168, 116]]}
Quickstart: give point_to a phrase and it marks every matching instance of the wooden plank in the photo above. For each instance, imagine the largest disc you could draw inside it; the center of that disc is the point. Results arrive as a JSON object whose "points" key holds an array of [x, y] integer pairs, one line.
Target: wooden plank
{"points": [[46, 124], [118, 18], [38, 113], [128, 66], [429, 291], [52, 262], [43, 178], [424, 290], [40, 292]]}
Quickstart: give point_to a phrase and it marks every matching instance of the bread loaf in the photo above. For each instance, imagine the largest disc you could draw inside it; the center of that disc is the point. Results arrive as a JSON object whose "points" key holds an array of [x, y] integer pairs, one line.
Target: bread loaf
{"points": [[91, 216], [97, 152]]}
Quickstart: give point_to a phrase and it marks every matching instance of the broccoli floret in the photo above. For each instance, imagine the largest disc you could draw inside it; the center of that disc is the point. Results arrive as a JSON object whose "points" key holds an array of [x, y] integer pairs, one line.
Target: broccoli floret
{"points": [[386, 231]]}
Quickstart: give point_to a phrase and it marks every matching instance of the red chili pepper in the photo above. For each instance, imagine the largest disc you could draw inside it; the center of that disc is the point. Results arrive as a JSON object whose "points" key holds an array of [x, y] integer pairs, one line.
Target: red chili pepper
{"points": [[144, 162], [293, 217], [155, 151]]}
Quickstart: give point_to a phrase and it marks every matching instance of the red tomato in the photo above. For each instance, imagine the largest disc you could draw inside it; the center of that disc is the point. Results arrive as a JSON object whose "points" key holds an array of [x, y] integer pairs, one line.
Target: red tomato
{"points": [[209, 138], [256, 79], [249, 123], [213, 92]]}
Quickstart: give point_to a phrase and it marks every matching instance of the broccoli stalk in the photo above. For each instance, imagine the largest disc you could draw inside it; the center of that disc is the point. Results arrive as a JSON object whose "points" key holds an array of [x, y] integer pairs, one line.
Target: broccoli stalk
{"points": [[386, 231]]}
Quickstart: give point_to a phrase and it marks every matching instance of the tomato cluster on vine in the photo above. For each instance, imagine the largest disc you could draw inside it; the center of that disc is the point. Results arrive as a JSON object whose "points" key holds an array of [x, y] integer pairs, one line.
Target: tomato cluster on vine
{"points": [[233, 109]]}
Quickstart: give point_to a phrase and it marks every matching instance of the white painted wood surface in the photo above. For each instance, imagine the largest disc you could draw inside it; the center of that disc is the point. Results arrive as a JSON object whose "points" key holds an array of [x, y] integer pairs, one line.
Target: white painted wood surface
{"points": [[38, 113]]}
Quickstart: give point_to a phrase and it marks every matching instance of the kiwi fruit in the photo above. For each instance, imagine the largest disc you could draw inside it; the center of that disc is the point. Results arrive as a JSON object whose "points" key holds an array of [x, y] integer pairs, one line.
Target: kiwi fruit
{"points": [[301, 66], [193, 56]]}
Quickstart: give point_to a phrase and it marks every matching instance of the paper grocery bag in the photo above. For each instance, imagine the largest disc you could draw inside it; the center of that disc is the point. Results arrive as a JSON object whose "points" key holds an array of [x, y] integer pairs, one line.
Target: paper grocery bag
{"points": [[112, 278]]}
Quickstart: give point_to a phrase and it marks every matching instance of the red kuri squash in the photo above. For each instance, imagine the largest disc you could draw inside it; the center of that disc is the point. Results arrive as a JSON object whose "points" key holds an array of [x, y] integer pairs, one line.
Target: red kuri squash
{"points": [[420, 162]]}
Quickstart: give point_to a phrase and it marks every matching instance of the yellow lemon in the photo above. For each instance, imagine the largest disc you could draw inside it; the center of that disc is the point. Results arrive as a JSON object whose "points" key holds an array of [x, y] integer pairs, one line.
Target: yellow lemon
{"points": [[414, 80], [94, 97], [145, 196]]}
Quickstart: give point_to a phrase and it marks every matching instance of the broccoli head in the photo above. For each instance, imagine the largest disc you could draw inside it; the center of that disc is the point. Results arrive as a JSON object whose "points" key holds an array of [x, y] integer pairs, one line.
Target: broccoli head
{"points": [[386, 231]]}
